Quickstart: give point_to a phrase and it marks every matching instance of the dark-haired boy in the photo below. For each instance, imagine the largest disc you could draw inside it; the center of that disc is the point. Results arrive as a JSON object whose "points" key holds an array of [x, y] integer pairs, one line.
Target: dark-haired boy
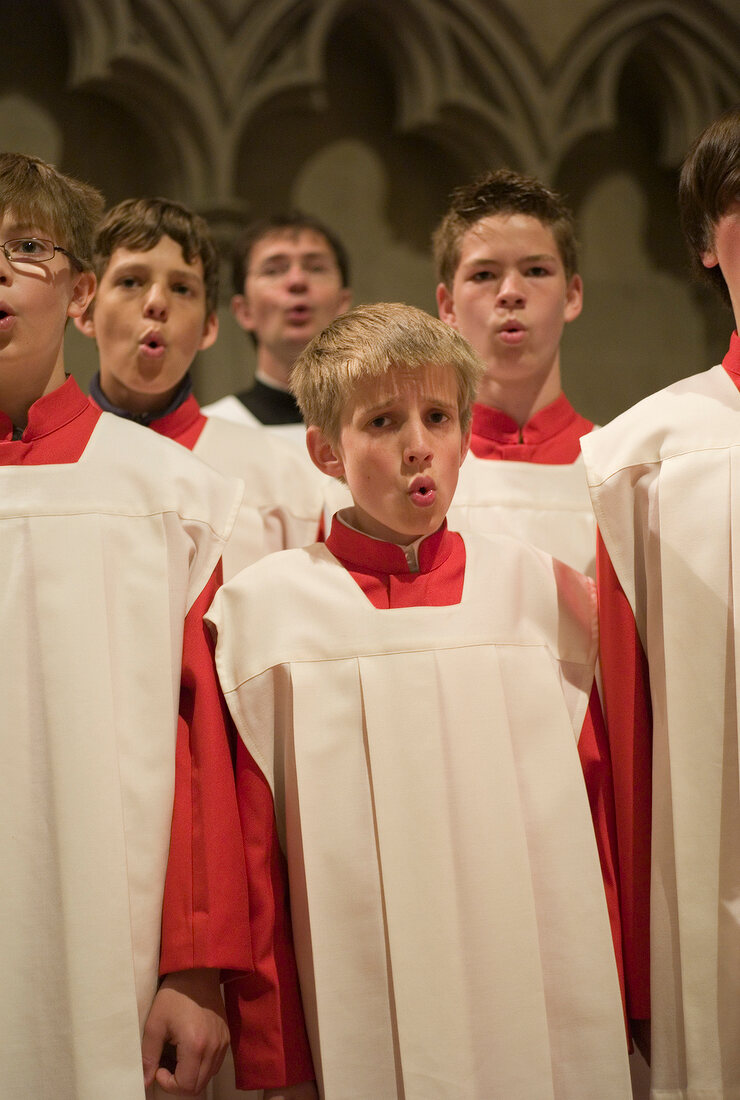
{"points": [[291, 278], [448, 907], [154, 309], [508, 282], [121, 859], [663, 479]]}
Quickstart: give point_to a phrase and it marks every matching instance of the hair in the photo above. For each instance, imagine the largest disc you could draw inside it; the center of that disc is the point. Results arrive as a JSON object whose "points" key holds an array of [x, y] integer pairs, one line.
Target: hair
{"points": [[709, 181], [502, 192], [139, 224], [292, 222], [371, 341], [38, 194]]}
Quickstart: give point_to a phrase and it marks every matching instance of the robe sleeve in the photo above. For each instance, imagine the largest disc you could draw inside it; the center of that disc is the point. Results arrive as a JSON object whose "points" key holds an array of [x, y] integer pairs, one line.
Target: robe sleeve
{"points": [[264, 1009], [628, 714], [205, 918], [593, 751]]}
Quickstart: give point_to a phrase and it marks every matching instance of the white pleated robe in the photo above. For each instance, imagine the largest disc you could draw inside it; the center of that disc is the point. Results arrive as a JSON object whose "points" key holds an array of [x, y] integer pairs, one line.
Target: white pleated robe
{"points": [[451, 927], [664, 480], [280, 483], [545, 505], [101, 560]]}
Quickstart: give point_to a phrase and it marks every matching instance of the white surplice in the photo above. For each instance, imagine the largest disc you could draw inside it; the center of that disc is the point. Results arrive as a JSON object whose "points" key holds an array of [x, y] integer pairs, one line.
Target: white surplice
{"points": [[545, 505], [450, 921], [101, 560], [664, 479]]}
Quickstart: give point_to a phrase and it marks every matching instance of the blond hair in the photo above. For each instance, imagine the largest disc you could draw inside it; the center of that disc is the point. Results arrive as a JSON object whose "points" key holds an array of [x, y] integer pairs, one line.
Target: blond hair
{"points": [[369, 342]]}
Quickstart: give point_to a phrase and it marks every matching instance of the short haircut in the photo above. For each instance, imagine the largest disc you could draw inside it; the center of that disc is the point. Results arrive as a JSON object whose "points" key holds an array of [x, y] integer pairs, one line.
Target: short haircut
{"points": [[709, 181], [292, 222], [370, 341], [39, 195], [140, 224], [502, 192]]}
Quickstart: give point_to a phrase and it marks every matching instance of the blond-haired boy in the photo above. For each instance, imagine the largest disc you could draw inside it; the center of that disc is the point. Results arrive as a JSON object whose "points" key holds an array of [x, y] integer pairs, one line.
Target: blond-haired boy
{"points": [[122, 860], [154, 309], [507, 264], [449, 914], [663, 479]]}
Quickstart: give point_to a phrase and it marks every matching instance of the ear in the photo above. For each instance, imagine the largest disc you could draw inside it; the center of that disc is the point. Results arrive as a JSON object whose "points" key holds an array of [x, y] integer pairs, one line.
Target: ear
{"points": [[324, 454], [446, 305], [83, 291], [242, 312], [210, 332], [573, 298], [709, 258], [345, 300]]}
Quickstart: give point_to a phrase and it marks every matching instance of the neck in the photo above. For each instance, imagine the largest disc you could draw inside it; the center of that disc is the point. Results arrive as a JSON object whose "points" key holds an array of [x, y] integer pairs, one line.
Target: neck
{"points": [[274, 368], [521, 401], [135, 404]]}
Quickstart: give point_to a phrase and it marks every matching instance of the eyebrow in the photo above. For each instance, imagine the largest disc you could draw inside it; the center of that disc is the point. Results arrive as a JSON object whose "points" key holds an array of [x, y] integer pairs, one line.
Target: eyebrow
{"points": [[142, 265], [522, 259], [366, 410]]}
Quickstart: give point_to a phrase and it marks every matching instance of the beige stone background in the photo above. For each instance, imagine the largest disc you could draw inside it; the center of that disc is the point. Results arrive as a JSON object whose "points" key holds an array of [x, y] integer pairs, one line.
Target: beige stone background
{"points": [[368, 112]]}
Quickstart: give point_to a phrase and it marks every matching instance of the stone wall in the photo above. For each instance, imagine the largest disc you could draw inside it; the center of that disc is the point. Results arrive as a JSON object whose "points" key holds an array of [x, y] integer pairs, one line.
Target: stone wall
{"points": [[368, 112]]}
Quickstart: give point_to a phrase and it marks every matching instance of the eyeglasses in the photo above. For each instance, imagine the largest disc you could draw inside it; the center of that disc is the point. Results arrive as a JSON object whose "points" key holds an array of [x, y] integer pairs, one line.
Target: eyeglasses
{"points": [[35, 250]]}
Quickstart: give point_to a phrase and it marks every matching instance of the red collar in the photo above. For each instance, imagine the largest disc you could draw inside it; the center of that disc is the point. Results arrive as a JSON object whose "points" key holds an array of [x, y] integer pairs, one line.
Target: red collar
{"points": [[59, 427], [382, 572], [551, 436], [731, 361], [184, 424]]}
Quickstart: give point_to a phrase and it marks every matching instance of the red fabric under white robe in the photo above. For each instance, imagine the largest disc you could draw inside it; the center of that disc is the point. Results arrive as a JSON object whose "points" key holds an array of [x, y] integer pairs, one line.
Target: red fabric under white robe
{"points": [[663, 479], [450, 921]]}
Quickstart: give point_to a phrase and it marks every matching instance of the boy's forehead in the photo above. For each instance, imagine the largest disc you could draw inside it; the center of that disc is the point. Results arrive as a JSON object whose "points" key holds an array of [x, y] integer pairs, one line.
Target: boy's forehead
{"points": [[496, 231], [278, 241], [430, 381], [14, 223], [165, 253]]}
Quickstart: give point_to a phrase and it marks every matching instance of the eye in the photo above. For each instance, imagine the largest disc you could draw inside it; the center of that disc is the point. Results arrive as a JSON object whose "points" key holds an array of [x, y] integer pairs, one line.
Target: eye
{"points": [[481, 276], [380, 422], [437, 416], [182, 289], [28, 246], [128, 282], [538, 271]]}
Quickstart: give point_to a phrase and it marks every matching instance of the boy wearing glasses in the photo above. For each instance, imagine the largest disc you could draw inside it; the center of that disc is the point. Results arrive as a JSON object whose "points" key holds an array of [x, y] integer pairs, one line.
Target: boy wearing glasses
{"points": [[125, 889]]}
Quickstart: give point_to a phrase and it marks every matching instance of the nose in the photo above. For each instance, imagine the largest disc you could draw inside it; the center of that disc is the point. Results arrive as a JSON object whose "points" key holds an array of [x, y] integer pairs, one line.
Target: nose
{"points": [[6, 268], [297, 277], [511, 291], [155, 303], [417, 446]]}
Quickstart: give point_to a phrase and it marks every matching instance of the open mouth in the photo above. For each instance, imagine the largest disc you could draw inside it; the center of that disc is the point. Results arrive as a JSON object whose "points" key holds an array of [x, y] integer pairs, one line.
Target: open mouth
{"points": [[423, 491]]}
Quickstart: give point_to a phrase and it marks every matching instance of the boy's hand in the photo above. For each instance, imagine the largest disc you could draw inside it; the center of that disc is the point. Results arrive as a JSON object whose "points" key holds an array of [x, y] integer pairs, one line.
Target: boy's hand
{"points": [[187, 1012], [306, 1091]]}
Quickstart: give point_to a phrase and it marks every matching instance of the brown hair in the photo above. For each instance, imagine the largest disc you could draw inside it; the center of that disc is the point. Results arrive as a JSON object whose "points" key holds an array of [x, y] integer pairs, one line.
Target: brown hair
{"points": [[370, 341], [141, 223], [292, 222], [39, 195], [709, 181], [502, 192]]}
